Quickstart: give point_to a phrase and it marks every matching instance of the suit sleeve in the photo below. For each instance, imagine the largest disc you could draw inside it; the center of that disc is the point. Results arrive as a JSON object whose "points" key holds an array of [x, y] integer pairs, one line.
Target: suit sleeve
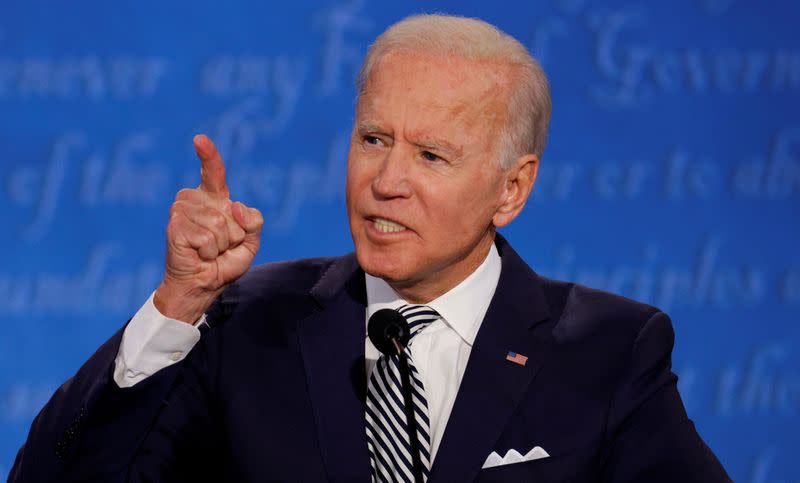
{"points": [[651, 437], [93, 430], [77, 417]]}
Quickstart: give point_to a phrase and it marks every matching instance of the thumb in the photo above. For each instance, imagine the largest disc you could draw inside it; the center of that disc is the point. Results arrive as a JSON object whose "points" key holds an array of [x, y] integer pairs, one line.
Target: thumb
{"points": [[250, 219]]}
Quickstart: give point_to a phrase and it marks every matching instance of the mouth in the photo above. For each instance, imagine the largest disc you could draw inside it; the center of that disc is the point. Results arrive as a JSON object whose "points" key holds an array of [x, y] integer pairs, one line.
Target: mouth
{"points": [[383, 225]]}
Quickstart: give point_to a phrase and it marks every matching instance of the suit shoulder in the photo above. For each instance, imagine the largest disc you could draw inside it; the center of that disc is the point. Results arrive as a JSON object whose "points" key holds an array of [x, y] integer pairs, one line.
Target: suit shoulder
{"points": [[284, 284], [583, 311], [290, 275]]}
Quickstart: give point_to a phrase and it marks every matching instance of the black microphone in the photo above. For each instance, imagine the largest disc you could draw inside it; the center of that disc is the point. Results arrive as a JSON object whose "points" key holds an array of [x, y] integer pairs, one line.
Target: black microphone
{"points": [[388, 330]]}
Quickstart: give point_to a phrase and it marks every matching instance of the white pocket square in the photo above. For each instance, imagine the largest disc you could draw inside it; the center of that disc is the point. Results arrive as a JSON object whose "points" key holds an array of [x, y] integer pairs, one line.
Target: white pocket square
{"points": [[513, 456]]}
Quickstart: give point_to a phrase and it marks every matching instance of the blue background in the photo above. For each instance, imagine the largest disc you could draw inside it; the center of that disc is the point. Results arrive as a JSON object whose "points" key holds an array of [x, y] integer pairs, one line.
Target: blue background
{"points": [[672, 173]]}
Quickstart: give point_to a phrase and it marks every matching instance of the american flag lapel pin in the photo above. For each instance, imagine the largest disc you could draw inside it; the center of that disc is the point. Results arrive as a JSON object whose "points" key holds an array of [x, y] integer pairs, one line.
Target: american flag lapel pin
{"points": [[516, 358]]}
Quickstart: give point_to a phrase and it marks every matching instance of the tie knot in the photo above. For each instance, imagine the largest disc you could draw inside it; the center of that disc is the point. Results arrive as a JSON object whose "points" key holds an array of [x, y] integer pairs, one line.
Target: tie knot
{"points": [[418, 317]]}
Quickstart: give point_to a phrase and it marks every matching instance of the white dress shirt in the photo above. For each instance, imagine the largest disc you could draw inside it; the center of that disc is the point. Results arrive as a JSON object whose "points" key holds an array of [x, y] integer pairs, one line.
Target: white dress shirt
{"points": [[152, 341]]}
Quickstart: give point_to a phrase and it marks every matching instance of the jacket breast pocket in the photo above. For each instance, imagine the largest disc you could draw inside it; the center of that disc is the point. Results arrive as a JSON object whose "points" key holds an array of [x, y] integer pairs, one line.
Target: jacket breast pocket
{"points": [[571, 467]]}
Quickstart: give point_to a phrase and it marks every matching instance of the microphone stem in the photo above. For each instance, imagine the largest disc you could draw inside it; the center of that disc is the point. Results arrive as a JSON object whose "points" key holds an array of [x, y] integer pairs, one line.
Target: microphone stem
{"points": [[398, 346], [411, 418]]}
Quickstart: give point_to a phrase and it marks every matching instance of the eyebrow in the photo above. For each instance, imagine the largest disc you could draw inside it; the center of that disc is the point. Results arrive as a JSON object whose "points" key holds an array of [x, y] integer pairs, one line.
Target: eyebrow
{"points": [[363, 128], [427, 142]]}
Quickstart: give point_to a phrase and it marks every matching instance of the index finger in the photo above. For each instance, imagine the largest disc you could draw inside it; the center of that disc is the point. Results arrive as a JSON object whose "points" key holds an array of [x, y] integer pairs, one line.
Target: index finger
{"points": [[212, 169]]}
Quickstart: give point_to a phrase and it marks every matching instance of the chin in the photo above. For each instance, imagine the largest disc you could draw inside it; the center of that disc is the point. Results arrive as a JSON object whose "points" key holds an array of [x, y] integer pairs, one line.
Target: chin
{"points": [[390, 267]]}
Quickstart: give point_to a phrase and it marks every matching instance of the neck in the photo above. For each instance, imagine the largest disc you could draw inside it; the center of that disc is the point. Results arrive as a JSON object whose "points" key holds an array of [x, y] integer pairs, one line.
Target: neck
{"points": [[442, 281]]}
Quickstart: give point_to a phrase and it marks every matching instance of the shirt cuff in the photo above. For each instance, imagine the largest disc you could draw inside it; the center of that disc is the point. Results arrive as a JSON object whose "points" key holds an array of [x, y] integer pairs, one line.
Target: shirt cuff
{"points": [[151, 342]]}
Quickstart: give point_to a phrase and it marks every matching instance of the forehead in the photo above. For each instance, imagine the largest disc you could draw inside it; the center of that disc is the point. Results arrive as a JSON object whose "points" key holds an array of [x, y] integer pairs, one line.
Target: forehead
{"points": [[429, 89]]}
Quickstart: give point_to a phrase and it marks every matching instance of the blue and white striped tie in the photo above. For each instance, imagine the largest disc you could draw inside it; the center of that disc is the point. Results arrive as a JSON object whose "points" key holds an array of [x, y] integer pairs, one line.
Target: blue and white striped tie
{"points": [[387, 429]]}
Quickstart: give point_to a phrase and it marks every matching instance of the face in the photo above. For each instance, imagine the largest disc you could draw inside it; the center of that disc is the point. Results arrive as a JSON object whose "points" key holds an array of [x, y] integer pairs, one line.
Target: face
{"points": [[424, 191]]}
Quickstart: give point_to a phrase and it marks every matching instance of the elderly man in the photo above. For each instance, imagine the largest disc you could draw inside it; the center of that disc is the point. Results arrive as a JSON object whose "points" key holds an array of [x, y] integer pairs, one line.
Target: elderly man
{"points": [[516, 377]]}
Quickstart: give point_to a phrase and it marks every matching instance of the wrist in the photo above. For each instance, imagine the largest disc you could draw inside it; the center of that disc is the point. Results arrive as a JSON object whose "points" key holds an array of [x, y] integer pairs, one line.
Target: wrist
{"points": [[185, 305]]}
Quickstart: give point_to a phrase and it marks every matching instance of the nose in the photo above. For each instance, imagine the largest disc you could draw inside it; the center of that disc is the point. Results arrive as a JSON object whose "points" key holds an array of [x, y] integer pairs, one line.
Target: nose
{"points": [[392, 179]]}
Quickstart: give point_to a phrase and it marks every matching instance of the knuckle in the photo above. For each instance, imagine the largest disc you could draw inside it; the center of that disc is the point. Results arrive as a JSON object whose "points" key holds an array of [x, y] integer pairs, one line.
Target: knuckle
{"points": [[175, 209], [184, 195], [218, 220], [204, 237], [225, 206], [175, 224]]}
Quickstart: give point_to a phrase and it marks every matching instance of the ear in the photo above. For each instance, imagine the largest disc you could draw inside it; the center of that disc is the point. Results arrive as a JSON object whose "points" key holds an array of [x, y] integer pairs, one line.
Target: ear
{"points": [[519, 181]]}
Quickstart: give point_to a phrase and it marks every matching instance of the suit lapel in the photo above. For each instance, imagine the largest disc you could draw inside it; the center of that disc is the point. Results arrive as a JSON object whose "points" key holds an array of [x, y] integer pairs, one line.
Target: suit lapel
{"points": [[332, 344], [492, 387]]}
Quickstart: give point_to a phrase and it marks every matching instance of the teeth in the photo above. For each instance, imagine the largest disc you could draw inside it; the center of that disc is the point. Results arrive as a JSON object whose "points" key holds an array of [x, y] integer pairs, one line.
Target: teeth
{"points": [[387, 226]]}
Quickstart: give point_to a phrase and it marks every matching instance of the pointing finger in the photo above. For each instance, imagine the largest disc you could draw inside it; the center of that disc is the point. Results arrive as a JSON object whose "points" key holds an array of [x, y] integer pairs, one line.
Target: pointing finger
{"points": [[212, 169]]}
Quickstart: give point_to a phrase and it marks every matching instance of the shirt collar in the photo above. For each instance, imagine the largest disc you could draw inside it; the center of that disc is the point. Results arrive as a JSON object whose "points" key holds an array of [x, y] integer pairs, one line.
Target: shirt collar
{"points": [[462, 307]]}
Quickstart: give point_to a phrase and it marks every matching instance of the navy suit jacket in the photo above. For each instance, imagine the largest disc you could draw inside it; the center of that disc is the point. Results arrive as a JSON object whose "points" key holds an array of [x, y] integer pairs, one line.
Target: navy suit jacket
{"points": [[276, 389]]}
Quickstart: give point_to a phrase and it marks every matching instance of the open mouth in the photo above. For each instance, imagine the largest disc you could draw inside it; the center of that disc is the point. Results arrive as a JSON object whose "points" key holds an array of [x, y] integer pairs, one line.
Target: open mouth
{"points": [[385, 226]]}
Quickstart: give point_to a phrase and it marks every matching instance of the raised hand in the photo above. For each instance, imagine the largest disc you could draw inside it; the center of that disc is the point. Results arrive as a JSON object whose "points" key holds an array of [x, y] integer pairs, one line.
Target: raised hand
{"points": [[211, 241]]}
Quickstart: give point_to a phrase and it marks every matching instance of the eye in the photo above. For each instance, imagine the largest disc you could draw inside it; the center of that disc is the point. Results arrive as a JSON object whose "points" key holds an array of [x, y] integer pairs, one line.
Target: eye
{"points": [[374, 140], [430, 156]]}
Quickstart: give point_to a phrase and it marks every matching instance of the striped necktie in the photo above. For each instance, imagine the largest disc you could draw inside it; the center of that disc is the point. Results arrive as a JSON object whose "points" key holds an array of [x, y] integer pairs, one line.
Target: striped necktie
{"points": [[388, 438]]}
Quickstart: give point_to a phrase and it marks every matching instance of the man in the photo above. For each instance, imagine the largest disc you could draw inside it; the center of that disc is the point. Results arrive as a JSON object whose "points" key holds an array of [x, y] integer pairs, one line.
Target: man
{"points": [[516, 376]]}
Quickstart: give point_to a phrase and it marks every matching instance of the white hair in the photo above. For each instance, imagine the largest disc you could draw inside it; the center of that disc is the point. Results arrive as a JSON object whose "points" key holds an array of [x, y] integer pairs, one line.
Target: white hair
{"points": [[529, 104]]}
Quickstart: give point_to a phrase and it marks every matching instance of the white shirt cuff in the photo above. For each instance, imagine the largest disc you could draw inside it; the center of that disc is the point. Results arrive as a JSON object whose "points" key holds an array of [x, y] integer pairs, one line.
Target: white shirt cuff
{"points": [[151, 342]]}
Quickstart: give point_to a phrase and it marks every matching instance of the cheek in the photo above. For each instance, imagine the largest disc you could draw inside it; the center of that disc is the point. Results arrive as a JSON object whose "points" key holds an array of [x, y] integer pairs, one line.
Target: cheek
{"points": [[472, 211], [357, 178], [456, 216]]}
